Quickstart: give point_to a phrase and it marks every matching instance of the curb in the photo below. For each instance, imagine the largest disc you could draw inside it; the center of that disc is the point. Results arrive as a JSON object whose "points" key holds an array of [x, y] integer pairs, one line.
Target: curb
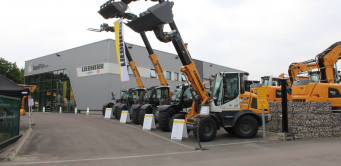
{"points": [[10, 153]]}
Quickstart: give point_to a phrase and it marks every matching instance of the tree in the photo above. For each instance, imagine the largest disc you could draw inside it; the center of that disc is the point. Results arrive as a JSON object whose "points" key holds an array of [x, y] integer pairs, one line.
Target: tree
{"points": [[11, 71]]}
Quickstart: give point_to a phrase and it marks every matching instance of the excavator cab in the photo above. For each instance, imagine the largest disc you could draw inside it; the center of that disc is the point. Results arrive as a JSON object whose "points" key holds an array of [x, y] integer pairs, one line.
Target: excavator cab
{"points": [[129, 99]]}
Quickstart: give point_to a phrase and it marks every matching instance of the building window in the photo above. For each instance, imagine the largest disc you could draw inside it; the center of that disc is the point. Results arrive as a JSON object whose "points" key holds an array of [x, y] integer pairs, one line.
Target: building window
{"points": [[152, 73], [168, 75], [176, 76], [130, 70], [183, 78]]}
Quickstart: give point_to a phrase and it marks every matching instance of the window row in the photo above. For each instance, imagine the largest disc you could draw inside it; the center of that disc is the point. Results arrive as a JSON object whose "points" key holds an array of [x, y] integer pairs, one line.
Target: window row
{"points": [[153, 74], [59, 74]]}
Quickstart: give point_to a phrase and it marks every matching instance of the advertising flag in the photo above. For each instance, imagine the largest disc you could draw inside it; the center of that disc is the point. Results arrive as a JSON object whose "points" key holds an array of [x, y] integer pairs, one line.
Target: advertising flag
{"points": [[120, 50]]}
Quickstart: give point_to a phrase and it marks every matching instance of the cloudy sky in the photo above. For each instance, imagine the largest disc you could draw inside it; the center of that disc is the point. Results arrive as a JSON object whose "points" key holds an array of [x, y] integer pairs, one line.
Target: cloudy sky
{"points": [[261, 37]]}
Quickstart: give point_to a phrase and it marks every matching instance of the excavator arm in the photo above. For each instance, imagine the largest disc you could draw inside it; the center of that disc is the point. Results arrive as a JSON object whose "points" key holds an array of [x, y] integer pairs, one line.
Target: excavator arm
{"points": [[296, 68], [326, 61]]}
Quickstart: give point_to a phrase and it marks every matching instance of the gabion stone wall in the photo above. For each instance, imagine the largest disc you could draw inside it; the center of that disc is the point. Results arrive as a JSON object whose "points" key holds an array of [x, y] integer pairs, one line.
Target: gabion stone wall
{"points": [[313, 119]]}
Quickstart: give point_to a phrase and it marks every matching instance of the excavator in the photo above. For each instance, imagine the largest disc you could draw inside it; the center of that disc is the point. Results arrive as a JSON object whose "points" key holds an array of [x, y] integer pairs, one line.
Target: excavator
{"points": [[328, 87], [229, 106]]}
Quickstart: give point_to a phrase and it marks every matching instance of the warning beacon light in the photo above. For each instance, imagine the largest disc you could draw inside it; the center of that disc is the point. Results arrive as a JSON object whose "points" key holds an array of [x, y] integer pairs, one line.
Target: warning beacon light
{"points": [[111, 9]]}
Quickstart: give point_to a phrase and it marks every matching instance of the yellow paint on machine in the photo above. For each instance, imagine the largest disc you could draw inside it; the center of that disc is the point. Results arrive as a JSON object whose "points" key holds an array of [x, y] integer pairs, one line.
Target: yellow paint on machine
{"points": [[124, 112], [148, 116], [262, 102]]}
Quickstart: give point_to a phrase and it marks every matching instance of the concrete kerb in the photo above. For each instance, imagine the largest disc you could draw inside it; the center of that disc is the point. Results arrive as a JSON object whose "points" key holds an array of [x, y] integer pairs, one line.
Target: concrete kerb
{"points": [[9, 154]]}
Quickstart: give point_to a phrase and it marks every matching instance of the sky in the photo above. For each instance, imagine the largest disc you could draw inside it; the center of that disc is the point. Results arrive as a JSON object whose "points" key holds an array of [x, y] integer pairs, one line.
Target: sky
{"points": [[262, 37]]}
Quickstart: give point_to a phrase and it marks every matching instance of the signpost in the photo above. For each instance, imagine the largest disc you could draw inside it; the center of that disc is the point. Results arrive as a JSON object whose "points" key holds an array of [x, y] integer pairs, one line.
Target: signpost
{"points": [[262, 104]]}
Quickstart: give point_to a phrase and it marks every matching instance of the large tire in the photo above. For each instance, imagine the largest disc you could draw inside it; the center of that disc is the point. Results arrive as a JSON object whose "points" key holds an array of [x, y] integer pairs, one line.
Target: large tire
{"points": [[176, 116], [229, 130], [246, 127], [118, 112], [207, 129], [165, 117], [135, 116]]}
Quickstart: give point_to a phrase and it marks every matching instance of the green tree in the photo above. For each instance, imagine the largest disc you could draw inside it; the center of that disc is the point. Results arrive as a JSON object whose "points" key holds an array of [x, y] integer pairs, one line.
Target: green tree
{"points": [[11, 71]]}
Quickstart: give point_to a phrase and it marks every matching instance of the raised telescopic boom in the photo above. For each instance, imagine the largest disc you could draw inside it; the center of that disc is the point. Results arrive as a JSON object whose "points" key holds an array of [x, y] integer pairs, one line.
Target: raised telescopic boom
{"points": [[131, 62], [162, 14]]}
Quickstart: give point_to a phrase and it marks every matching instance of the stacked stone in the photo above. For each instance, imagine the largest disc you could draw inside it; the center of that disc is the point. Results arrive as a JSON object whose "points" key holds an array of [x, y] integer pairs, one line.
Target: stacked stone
{"points": [[306, 119]]}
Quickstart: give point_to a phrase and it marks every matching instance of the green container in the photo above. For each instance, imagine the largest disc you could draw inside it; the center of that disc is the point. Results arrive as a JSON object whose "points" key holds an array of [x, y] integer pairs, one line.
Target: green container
{"points": [[9, 118]]}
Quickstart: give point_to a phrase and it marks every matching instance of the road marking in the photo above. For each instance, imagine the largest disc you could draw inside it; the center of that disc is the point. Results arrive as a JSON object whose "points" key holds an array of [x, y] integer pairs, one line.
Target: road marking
{"points": [[237, 143], [97, 159]]}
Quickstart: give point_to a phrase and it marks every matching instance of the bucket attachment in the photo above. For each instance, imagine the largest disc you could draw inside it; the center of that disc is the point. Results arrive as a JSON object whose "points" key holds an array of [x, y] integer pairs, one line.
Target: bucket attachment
{"points": [[156, 15], [110, 9]]}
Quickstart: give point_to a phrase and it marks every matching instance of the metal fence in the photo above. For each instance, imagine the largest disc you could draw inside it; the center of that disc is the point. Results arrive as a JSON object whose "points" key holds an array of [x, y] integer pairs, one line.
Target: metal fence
{"points": [[9, 118]]}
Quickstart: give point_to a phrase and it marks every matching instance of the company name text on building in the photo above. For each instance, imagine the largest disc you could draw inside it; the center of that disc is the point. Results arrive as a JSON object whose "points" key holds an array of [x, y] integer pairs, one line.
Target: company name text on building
{"points": [[40, 66], [92, 67]]}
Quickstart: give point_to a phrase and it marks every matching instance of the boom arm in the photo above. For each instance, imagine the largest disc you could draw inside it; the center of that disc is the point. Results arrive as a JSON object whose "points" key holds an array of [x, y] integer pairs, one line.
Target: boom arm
{"points": [[326, 61], [296, 68], [155, 61], [162, 14], [107, 28], [134, 68]]}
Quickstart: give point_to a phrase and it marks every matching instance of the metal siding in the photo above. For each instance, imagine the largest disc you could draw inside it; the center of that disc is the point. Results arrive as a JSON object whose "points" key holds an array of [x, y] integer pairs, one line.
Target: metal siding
{"points": [[94, 91]]}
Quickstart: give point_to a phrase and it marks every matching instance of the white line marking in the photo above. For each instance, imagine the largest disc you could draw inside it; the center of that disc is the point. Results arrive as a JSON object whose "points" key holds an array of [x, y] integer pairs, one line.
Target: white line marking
{"points": [[96, 159]]}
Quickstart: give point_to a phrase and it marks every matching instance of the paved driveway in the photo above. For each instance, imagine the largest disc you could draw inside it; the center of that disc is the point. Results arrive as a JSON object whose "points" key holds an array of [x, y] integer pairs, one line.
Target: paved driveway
{"points": [[68, 139]]}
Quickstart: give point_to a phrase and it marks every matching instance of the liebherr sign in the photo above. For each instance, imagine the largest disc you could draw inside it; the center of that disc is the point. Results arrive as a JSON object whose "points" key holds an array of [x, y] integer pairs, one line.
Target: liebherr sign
{"points": [[94, 69], [120, 50]]}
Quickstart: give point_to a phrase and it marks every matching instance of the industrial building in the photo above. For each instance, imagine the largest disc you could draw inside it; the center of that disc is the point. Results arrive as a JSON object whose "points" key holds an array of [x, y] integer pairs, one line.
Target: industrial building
{"points": [[88, 76]]}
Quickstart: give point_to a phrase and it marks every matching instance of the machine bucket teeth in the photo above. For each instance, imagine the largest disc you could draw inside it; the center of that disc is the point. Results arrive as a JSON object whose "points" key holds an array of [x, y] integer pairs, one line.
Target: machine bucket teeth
{"points": [[156, 15]]}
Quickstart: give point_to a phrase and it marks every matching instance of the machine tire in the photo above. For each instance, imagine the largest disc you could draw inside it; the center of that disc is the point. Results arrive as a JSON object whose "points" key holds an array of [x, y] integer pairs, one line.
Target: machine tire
{"points": [[165, 117], [118, 112], [176, 116], [246, 127], [135, 116], [207, 129], [229, 130]]}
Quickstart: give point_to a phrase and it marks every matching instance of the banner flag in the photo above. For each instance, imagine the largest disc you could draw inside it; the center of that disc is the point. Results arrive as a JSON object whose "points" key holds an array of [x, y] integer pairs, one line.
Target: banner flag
{"points": [[120, 50]]}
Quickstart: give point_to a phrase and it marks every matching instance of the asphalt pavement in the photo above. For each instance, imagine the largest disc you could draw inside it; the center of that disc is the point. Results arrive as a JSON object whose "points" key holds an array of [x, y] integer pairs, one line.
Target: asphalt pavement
{"points": [[69, 139]]}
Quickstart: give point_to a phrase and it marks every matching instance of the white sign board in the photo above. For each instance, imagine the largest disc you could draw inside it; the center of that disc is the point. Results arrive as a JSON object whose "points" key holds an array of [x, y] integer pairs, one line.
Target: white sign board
{"points": [[31, 102], [149, 122], [179, 129], [108, 113], [125, 117]]}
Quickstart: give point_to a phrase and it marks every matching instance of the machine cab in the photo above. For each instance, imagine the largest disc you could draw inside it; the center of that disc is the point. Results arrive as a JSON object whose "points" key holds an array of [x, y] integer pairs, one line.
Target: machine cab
{"points": [[226, 90]]}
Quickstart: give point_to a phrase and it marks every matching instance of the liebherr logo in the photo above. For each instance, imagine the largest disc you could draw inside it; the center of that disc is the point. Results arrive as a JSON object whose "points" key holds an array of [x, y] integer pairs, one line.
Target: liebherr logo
{"points": [[198, 79]]}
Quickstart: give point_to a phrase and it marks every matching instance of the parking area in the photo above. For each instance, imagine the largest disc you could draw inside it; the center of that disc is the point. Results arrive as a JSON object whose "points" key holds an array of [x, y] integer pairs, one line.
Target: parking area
{"points": [[68, 139]]}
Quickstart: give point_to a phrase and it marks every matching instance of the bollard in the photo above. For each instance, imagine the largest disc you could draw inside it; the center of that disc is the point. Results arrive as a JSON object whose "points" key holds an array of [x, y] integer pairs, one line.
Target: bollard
{"points": [[87, 110], [60, 110], [76, 110], [43, 109], [263, 123]]}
